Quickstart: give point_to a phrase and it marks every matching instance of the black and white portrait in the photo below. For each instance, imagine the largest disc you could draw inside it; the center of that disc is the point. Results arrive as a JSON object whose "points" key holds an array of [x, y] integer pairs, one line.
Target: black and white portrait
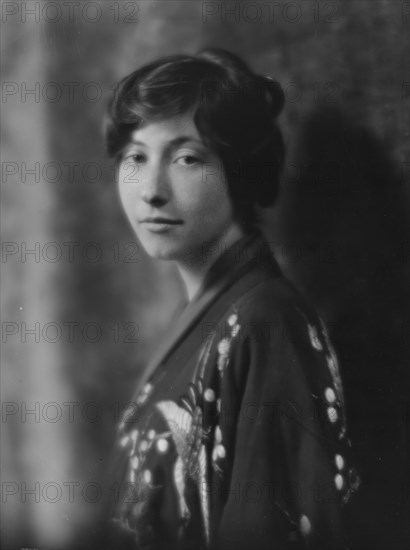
{"points": [[205, 314]]}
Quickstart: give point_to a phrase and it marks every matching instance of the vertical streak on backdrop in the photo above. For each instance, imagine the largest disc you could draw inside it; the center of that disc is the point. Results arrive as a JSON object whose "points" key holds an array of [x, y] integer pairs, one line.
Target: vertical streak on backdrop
{"points": [[35, 444]]}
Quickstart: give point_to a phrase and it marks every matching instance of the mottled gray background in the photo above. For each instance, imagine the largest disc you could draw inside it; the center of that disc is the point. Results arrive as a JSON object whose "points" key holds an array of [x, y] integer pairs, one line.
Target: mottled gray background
{"points": [[339, 232]]}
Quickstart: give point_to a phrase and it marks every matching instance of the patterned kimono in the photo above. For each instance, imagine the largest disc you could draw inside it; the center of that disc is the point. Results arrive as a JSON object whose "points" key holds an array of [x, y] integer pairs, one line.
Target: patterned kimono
{"points": [[236, 437]]}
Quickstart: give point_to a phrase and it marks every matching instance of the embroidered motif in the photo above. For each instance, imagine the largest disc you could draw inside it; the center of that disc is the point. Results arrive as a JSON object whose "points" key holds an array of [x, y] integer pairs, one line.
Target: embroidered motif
{"points": [[223, 358], [129, 414], [162, 445], [332, 364], [333, 367], [354, 483], [224, 345], [314, 340], [312, 332], [232, 320], [209, 395], [186, 425], [219, 451], [140, 448]]}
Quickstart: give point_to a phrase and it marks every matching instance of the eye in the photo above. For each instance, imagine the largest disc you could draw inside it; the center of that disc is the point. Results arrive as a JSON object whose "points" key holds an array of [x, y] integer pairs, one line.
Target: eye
{"points": [[138, 158], [188, 160], [134, 158]]}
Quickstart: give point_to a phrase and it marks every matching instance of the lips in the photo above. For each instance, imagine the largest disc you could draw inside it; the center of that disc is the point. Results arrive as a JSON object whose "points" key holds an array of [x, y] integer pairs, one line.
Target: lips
{"points": [[161, 221], [160, 224]]}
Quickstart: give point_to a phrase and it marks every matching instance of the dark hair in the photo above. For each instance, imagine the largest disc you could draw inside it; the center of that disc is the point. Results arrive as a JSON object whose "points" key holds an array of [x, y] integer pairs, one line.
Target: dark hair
{"points": [[235, 113]]}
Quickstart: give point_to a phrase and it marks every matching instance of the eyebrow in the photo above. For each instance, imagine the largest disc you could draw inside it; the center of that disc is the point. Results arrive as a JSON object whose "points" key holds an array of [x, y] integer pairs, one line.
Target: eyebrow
{"points": [[176, 142]]}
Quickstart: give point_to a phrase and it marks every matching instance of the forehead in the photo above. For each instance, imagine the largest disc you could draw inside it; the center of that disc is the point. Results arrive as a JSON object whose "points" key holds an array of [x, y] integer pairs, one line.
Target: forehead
{"points": [[164, 131]]}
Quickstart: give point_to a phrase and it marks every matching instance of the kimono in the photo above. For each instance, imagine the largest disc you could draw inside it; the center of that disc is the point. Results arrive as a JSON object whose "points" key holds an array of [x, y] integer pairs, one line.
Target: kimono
{"points": [[236, 436]]}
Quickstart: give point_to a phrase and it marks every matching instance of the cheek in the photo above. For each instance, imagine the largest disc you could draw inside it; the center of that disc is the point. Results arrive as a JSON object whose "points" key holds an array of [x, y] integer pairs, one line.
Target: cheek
{"points": [[124, 198], [127, 193], [129, 173], [205, 198], [216, 200]]}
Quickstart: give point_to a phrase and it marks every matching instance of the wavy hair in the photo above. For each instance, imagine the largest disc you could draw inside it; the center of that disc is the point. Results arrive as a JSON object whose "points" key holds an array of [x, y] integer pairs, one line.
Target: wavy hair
{"points": [[235, 111]]}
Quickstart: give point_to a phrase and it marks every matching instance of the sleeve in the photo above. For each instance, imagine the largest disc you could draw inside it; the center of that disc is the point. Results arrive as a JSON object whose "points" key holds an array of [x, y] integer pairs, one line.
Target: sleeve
{"points": [[281, 451]]}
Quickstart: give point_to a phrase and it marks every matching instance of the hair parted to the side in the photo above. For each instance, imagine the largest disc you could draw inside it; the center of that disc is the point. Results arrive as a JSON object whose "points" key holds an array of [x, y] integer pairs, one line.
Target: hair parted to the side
{"points": [[235, 111]]}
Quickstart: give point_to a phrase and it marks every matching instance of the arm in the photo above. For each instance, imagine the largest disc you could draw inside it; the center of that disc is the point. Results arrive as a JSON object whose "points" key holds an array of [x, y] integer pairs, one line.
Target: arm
{"points": [[285, 470]]}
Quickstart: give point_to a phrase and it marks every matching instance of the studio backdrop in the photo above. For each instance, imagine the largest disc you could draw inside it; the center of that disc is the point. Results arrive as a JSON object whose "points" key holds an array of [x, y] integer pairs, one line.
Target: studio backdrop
{"points": [[83, 307]]}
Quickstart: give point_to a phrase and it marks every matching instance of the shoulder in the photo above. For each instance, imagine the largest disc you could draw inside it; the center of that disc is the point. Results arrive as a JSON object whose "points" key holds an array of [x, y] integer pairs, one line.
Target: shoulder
{"points": [[278, 344], [275, 297], [275, 306]]}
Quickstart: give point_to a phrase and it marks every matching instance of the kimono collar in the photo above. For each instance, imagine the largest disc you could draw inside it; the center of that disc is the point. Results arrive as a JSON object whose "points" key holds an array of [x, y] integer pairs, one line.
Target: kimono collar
{"points": [[231, 266]]}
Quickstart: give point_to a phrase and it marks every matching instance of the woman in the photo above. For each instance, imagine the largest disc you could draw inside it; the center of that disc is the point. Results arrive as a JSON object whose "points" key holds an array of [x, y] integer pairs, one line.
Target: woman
{"points": [[236, 437]]}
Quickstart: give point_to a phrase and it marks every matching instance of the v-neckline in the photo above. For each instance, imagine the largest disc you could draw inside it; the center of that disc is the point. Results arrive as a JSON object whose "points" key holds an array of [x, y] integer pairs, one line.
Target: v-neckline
{"points": [[232, 265]]}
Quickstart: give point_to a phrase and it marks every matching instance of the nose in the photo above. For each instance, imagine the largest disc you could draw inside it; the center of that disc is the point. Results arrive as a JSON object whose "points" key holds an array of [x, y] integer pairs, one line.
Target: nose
{"points": [[155, 187]]}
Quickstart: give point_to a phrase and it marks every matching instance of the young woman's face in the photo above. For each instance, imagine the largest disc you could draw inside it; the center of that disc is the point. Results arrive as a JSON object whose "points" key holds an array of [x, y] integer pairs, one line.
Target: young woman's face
{"points": [[174, 191]]}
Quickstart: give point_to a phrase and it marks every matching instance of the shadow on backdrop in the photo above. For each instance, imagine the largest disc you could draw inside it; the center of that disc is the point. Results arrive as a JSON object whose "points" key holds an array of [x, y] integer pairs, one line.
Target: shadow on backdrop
{"points": [[346, 210]]}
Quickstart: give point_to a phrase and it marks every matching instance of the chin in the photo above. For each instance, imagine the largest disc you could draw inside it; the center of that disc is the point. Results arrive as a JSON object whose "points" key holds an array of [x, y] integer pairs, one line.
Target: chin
{"points": [[160, 248]]}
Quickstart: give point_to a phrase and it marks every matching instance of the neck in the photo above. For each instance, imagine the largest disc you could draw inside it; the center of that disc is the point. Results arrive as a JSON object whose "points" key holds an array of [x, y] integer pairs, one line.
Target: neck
{"points": [[194, 269]]}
